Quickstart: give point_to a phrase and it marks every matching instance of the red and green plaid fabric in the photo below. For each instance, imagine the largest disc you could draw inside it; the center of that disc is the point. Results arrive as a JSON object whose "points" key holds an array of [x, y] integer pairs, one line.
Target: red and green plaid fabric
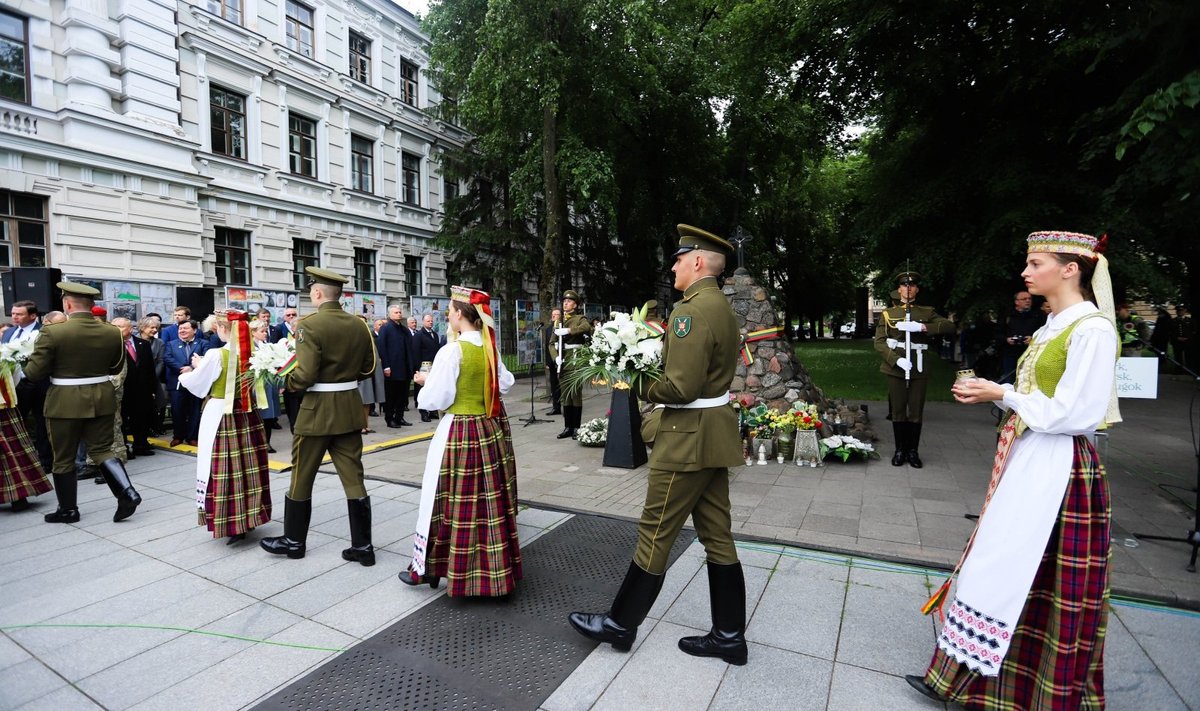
{"points": [[473, 531], [1056, 660], [21, 474], [239, 485]]}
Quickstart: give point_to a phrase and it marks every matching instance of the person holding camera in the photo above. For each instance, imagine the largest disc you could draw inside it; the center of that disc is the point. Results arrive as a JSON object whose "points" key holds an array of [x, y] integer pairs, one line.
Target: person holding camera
{"points": [[1021, 324]]}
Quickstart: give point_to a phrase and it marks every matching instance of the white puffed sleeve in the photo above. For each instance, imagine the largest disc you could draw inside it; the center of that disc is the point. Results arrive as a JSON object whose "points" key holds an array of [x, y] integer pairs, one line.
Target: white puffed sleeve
{"points": [[200, 379], [441, 382]]}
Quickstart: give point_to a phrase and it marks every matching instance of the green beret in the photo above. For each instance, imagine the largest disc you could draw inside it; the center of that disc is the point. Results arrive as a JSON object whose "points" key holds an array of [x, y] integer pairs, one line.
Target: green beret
{"points": [[572, 295], [695, 238], [74, 289], [904, 278], [325, 276]]}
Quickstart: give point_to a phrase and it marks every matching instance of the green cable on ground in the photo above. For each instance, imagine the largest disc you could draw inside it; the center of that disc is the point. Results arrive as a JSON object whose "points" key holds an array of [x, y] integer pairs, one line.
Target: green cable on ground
{"points": [[169, 628], [883, 566]]}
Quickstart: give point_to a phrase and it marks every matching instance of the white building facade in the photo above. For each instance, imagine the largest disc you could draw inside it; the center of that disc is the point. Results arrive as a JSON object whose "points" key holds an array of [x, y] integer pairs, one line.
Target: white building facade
{"points": [[221, 145]]}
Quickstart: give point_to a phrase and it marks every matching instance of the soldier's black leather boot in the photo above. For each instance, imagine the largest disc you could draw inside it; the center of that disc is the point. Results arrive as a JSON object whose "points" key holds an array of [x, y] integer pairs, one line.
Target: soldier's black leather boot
{"points": [[900, 431], [360, 550], [65, 488], [914, 442], [118, 483], [296, 515], [619, 627], [727, 600], [569, 424]]}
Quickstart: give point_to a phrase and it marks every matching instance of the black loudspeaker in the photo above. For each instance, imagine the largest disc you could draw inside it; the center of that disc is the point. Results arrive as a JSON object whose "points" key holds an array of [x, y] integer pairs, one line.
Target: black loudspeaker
{"points": [[197, 298], [36, 284]]}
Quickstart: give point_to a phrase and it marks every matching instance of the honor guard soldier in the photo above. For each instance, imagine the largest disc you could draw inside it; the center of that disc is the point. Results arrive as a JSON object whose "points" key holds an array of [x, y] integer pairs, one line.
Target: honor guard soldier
{"points": [[78, 356], [569, 336], [902, 338], [696, 443], [334, 350]]}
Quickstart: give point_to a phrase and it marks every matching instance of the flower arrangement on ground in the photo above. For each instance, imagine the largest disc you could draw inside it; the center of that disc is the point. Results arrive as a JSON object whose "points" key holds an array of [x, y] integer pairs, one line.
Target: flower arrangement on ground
{"points": [[593, 433], [13, 355], [802, 416], [845, 446], [623, 349]]}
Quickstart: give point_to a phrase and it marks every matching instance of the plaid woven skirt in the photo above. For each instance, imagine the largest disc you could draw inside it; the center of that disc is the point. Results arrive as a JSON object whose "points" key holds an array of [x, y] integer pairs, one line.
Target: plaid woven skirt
{"points": [[1056, 660], [21, 474], [239, 486], [473, 531]]}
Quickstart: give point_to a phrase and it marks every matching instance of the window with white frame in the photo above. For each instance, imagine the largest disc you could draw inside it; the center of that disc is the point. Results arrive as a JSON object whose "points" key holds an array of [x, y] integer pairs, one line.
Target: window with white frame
{"points": [[14, 57], [305, 253], [362, 163], [227, 131], [24, 230], [233, 256], [298, 24], [302, 145], [227, 9], [410, 179], [408, 82], [414, 270], [360, 58], [364, 269]]}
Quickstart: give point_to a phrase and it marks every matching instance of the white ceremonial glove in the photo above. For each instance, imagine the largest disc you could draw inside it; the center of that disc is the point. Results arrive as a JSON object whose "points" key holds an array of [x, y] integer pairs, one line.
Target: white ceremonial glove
{"points": [[564, 331], [904, 364], [913, 326]]}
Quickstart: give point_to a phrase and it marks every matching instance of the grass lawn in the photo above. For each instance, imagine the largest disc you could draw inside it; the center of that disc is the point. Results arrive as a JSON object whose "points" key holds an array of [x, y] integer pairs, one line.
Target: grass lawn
{"points": [[850, 370]]}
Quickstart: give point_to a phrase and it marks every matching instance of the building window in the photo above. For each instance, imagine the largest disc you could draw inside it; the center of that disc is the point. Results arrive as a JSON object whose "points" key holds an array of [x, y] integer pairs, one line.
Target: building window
{"points": [[364, 269], [414, 269], [449, 109], [449, 190], [299, 26], [362, 163], [305, 253], [228, 119], [410, 179], [23, 230], [360, 58], [233, 256], [14, 53], [228, 9], [302, 145], [408, 82]]}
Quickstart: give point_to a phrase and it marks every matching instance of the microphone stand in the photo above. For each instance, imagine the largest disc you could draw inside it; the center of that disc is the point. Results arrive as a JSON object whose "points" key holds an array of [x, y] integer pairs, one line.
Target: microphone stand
{"points": [[533, 419], [1193, 536]]}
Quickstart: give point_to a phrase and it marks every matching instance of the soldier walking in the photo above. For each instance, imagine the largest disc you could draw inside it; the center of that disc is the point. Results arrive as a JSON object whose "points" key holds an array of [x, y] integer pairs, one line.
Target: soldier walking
{"points": [[696, 443], [81, 405], [902, 337], [334, 350], [572, 334]]}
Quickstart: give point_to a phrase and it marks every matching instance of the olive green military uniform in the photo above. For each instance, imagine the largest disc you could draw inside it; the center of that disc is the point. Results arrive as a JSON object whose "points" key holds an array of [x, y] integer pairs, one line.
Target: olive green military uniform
{"points": [[581, 328], [906, 398], [694, 447], [332, 347], [80, 347]]}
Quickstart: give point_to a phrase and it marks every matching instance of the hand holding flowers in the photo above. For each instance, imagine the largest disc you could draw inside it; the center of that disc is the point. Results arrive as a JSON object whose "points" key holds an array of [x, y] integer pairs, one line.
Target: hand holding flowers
{"points": [[622, 350]]}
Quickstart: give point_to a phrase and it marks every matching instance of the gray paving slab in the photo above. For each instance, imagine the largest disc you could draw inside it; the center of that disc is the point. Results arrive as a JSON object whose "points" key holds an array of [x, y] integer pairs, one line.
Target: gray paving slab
{"points": [[801, 610], [592, 678], [882, 623], [774, 679], [1131, 680], [61, 699], [693, 681], [27, 681], [1167, 638], [858, 689]]}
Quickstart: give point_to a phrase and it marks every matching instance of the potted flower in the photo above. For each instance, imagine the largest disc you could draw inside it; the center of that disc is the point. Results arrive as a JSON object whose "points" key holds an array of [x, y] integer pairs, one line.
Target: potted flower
{"points": [[758, 421], [844, 447], [808, 426]]}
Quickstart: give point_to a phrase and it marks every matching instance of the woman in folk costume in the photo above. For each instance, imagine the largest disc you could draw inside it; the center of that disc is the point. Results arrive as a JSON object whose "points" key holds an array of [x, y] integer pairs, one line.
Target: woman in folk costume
{"points": [[233, 488], [1026, 626], [467, 521], [21, 474], [268, 409]]}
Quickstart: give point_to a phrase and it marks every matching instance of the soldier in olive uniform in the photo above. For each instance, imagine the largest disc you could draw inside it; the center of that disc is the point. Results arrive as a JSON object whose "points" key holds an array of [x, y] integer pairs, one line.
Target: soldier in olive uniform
{"points": [[334, 350], [696, 443], [574, 332], [908, 377], [78, 356]]}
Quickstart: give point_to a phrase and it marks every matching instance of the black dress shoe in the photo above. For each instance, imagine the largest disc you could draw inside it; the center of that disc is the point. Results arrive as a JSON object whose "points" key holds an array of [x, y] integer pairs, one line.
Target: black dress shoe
{"points": [[20, 504], [602, 628], [404, 423], [899, 458], [276, 426], [567, 432], [409, 577], [270, 449], [146, 451], [235, 538], [393, 424], [63, 516], [553, 411], [425, 417], [914, 459], [918, 683]]}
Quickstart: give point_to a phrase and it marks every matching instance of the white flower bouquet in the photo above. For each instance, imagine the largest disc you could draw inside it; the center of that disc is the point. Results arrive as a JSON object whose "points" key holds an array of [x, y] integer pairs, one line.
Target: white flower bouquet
{"points": [[13, 355], [593, 433], [623, 349], [270, 362], [845, 446]]}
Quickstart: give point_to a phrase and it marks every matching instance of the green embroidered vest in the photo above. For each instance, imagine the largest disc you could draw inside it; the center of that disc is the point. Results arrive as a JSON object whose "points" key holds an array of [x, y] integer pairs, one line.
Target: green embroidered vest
{"points": [[218, 387], [1043, 364], [472, 376]]}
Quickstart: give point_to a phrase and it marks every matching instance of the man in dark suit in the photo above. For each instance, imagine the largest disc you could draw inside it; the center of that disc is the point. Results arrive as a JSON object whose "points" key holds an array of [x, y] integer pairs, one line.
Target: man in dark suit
{"points": [[550, 358], [171, 333], [425, 347], [31, 396], [141, 382], [185, 407], [395, 357]]}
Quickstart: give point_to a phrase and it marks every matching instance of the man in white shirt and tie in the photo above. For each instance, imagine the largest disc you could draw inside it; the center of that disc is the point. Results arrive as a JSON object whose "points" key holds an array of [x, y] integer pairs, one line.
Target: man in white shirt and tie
{"points": [[31, 397]]}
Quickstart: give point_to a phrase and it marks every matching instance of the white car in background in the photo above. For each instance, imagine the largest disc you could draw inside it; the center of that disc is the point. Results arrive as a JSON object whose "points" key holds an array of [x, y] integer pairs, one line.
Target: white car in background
{"points": [[848, 329]]}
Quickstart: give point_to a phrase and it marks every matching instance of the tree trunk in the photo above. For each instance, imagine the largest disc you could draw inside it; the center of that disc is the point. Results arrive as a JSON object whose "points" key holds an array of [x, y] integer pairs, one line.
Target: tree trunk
{"points": [[554, 210]]}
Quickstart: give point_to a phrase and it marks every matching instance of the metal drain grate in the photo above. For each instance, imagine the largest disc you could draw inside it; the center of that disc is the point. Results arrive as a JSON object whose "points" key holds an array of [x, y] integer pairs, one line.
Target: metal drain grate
{"points": [[470, 654]]}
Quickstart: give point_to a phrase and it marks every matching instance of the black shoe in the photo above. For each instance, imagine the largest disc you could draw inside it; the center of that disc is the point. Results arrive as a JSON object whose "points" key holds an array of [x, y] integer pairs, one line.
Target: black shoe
{"points": [[20, 504], [425, 417], [619, 627], [914, 441], [276, 426], [65, 488], [235, 538], [914, 459], [404, 423], [918, 683], [62, 516], [567, 432], [360, 550], [553, 411], [270, 449], [296, 516], [899, 458], [121, 488], [726, 639], [146, 451], [409, 577], [393, 424], [99, 479], [900, 431]]}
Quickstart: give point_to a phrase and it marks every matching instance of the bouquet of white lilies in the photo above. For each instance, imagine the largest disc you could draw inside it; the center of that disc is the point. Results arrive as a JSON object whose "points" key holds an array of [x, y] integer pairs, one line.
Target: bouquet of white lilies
{"points": [[845, 446], [13, 355], [269, 362], [623, 349]]}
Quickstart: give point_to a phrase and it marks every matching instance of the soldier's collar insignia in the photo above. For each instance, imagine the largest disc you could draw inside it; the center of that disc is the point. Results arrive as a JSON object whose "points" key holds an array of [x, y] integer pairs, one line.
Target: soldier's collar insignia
{"points": [[300, 335], [681, 325]]}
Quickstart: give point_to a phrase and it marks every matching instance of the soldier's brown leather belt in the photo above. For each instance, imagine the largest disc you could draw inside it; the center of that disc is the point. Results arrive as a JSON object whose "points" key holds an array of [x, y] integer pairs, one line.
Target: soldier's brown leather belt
{"points": [[94, 380]]}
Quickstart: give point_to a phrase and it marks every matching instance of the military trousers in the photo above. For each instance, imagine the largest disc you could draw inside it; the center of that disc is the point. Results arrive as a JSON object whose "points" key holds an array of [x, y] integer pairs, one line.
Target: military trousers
{"points": [[346, 452], [906, 398], [670, 498], [66, 433], [570, 397]]}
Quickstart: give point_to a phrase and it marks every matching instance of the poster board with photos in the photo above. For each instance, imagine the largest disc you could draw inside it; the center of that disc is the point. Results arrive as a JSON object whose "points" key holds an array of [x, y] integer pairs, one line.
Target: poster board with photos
{"points": [[132, 299], [251, 300], [436, 306], [529, 331]]}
